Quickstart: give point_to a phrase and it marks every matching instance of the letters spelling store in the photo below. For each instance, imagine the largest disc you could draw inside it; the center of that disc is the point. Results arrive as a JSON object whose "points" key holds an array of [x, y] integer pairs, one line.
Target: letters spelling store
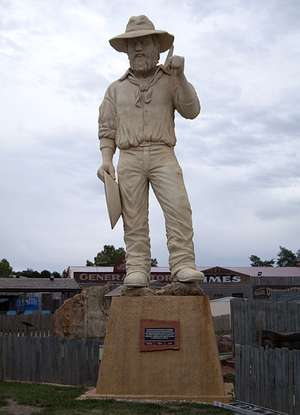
{"points": [[245, 282]]}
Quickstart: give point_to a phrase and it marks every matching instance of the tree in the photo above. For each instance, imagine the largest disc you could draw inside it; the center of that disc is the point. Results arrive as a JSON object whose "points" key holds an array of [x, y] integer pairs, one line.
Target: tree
{"points": [[28, 273], [5, 268], [154, 262], [110, 256], [256, 261], [286, 258], [45, 274]]}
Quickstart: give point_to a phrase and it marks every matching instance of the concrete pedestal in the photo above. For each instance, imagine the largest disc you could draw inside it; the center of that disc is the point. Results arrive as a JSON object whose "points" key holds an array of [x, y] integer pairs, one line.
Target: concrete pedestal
{"points": [[193, 372]]}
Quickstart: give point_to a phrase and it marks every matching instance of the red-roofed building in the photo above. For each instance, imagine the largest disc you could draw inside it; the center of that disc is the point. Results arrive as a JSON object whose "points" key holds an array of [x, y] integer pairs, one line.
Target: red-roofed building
{"points": [[248, 282]]}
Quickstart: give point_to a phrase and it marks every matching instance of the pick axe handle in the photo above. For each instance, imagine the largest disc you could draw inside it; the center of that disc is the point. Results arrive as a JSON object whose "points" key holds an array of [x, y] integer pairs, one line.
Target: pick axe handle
{"points": [[169, 56]]}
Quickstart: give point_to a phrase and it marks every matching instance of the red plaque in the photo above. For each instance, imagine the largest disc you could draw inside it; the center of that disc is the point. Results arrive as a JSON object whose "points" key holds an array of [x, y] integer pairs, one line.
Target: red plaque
{"points": [[159, 335]]}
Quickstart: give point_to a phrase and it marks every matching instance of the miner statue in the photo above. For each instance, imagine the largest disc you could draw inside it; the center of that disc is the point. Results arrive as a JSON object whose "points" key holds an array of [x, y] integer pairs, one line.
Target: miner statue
{"points": [[137, 116]]}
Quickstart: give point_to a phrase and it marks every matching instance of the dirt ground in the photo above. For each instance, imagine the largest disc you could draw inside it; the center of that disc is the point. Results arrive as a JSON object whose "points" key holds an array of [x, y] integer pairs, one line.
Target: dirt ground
{"points": [[14, 409]]}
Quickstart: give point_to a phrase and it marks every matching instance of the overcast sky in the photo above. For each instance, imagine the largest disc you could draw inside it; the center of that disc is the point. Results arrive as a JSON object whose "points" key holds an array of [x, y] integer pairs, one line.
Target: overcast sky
{"points": [[240, 157]]}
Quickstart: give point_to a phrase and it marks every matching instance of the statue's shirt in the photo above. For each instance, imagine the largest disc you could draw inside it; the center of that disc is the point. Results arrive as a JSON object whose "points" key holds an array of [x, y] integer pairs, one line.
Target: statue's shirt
{"points": [[134, 112]]}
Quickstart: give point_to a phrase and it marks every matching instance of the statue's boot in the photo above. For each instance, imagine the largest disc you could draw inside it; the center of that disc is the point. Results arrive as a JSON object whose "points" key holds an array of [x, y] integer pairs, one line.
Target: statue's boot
{"points": [[136, 279], [189, 275]]}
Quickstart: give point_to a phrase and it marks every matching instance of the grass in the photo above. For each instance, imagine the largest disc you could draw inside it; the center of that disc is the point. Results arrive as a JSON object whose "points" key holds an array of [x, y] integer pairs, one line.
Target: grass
{"points": [[60, 400]]}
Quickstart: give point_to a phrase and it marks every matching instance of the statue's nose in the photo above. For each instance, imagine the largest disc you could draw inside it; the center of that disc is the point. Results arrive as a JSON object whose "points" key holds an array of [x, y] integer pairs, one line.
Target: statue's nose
{"points": [[138, 45]]}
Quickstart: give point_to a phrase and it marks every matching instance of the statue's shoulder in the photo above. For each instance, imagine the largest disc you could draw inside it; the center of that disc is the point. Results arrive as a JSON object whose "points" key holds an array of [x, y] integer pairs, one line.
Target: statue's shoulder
{"points": [[113, 85], [118, 83], [112, 90], [124, 76]]}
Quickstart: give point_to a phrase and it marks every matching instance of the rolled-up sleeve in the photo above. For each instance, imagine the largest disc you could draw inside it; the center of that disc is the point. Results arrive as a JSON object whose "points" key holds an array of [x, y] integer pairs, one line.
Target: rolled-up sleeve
{"points": [[186, 101], [107, 121]]}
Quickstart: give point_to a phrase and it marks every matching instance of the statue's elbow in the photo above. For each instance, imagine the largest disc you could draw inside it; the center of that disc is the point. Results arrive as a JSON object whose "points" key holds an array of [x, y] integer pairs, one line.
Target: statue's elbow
{"points": [[193, 114]]}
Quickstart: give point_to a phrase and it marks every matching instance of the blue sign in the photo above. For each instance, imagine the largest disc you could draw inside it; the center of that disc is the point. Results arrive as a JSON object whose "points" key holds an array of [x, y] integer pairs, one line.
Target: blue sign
{"points": [[27, 303]]}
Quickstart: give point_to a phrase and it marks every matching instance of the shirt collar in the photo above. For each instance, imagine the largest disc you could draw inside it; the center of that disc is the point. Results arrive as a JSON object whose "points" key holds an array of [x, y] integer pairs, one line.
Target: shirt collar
{"points": [[161, 67]]}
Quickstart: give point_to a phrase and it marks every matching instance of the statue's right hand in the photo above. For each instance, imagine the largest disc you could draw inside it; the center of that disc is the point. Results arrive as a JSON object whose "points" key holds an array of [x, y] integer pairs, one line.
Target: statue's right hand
{"points": [[108, 168]]}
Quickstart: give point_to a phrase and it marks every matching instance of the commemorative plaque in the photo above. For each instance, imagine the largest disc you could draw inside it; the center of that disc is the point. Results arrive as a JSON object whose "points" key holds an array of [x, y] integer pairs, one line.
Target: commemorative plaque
{"points": [[159, 335]]}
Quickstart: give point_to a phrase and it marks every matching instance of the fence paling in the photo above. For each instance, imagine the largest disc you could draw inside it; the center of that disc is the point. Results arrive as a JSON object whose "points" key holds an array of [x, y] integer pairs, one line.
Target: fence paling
{"points": [[269, 378], [36, 324], [49, 359], [250, 317], [266, 377]]}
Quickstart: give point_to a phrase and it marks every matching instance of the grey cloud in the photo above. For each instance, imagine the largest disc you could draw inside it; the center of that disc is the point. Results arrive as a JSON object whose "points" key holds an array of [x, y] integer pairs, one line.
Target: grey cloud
{"points": [[53, 202], [83, 81], [7, 45], [278, 209], [244, 137], [284, 174], [277, 18]]}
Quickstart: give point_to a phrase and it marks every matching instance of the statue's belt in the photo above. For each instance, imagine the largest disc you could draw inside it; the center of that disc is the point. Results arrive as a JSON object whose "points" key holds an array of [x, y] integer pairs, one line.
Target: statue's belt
{"points": [[146, 144]]}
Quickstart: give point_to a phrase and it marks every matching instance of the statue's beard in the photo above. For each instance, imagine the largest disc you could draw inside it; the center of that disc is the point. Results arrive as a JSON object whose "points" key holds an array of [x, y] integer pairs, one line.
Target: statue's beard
{"points": [[142, 64]]}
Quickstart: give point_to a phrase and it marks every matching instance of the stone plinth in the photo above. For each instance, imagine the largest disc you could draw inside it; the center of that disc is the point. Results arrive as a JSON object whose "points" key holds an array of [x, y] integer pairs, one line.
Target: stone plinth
{"points": [[83, 315], [193, 372]]}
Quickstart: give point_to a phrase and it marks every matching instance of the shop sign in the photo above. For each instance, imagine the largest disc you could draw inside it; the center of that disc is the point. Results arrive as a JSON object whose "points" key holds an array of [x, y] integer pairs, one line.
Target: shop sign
{"points": [[97, 277], [163, 277], [221, 279]]}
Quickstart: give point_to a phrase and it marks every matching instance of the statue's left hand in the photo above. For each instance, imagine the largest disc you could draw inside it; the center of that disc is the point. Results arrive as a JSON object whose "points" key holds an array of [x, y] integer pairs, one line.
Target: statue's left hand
{"points": [[176, 65], [107, 167]]}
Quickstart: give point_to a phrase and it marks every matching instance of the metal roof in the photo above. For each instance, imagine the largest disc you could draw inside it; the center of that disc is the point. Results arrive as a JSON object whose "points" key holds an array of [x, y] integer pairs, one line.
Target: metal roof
{"points": [[38, 284], [110, 269], [260, 271], [251, 271], [90, 269], [269, 271]]}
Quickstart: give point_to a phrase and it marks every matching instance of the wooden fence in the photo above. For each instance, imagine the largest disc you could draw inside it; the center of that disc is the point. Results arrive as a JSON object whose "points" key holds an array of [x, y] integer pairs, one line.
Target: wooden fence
{"points": [[249, 317], [49, 359], [31, 325], [42, 325], [269, 378]]}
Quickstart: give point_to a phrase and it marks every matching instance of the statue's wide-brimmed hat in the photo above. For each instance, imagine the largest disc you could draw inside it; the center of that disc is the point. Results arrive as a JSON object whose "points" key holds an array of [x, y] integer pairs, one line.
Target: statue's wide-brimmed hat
{"points": [[139, 26]]}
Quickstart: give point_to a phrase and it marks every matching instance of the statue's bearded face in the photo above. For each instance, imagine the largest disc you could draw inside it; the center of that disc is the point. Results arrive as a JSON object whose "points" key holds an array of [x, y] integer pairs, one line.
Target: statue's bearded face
{"points": [[143, 53]]}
